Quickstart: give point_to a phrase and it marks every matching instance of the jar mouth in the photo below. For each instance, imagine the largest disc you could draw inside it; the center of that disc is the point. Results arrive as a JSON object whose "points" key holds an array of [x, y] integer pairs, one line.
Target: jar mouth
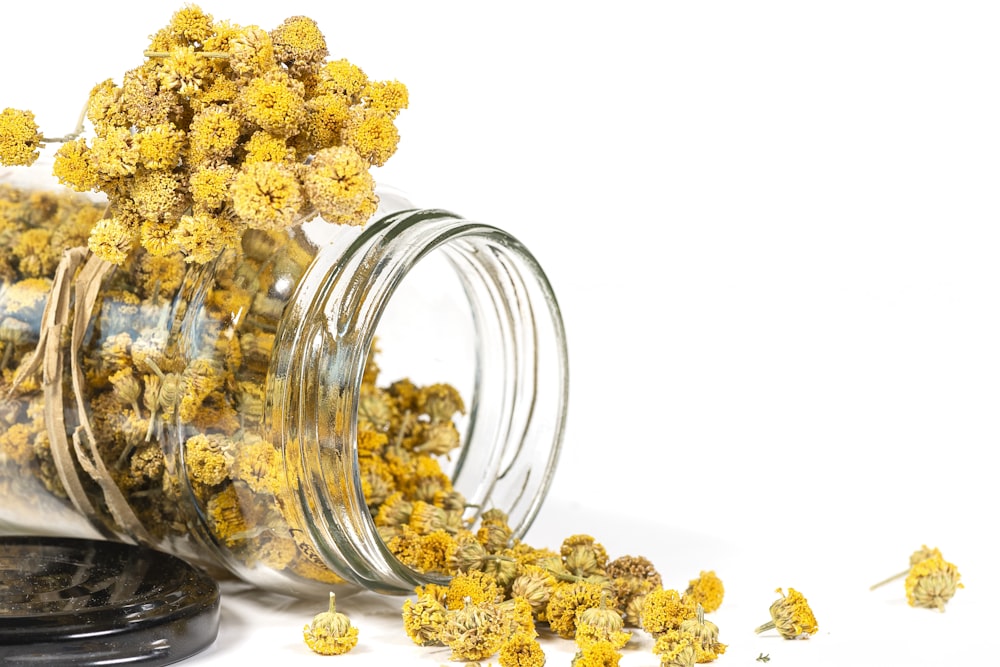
{"points": [[517, 378]]}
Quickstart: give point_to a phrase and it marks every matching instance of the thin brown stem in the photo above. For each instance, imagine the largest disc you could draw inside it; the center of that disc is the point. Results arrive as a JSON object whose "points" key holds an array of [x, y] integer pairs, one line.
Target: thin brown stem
{"points": [[890, 579]]}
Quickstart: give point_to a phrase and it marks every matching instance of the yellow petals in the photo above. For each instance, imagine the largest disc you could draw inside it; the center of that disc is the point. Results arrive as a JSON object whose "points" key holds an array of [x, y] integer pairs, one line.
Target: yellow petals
{"points": [[19, 137], [210, 186], [664, 610], [183, 70], [373, 135], [115, 152], [266, 195], [213, 135], [340, 187], [160, 146], [111, 239], [791, 616], [330, 632], [274, 102], [299, 44], [707, 590]]}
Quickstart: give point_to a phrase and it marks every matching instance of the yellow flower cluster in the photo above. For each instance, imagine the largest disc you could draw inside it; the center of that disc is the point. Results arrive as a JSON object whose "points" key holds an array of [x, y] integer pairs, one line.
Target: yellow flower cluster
{"points": [[577, 592], [223, 128]]}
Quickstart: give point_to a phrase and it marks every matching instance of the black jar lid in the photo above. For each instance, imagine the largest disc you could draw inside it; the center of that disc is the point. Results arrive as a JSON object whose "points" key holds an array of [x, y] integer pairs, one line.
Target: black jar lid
{"points": [[66, 601]]}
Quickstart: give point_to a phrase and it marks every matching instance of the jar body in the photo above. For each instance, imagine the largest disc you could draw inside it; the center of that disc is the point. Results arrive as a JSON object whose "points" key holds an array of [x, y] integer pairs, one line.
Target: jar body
{"points": [[225, 412]]}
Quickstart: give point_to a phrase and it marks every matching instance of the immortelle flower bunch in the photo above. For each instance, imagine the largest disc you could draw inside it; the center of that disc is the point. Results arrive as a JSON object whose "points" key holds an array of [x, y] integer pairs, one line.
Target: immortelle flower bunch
{"points": [[222, 128]]}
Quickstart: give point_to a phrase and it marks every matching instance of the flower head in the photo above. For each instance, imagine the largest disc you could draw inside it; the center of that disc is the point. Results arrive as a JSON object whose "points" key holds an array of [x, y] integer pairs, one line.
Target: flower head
{"points": [[474, 632], [521, 650], [423, 619], [791, 616], [266, 195], [330, 632], [598, 654], [932, 582], [299, 44], [338, 184], [19, 137], [273, 101], [601, 623], [706, 590], [676, 649]]}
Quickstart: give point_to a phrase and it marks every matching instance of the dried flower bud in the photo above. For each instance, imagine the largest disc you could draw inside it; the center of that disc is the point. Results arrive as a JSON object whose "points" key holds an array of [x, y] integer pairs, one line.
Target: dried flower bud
{"points": [[330, 632], [535, 585], [473, 632], [521, 650], [470, 555], [676, 649], [707, 590], [791, 616], [583, 555], [423, 620], [706, 634], [599, 654], [602, 623], [634, 568], [127, 388], [931, 583], [665, 609], [19, 137]]}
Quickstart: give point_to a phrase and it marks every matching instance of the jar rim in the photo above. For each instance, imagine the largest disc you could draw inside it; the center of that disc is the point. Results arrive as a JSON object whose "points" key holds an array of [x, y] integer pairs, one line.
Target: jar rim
{"points": [[512, 446]]}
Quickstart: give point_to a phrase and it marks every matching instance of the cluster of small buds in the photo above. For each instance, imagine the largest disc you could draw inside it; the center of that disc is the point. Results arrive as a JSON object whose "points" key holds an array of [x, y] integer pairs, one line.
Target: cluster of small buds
{"points": [[576, 593], [223, 128]]}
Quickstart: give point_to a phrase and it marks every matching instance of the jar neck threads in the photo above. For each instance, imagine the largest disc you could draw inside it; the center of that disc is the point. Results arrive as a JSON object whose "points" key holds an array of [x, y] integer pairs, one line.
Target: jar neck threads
{"points": [[519, 381]]}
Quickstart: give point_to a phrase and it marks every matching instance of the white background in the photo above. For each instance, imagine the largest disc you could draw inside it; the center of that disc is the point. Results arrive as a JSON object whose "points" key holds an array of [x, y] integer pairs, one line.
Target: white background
{"points": [[772, 229]]}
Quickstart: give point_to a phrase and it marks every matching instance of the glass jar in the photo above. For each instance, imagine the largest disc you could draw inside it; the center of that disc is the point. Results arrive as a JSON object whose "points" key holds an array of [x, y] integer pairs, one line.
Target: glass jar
{"points": [[234, 414]]}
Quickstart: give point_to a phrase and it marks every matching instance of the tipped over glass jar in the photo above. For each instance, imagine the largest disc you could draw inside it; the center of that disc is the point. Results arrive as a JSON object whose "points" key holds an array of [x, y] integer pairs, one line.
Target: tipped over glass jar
{"points": [[320, 404]]}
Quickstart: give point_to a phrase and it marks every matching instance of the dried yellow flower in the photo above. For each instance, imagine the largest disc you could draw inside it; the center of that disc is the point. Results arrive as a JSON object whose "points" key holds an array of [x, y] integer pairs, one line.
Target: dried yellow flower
{"points": [[74, 167], [266, 195], [160, 146], [706, 635], [373, 134], [601, 624], [423, 620], [19, 137], [339, 186], [251, 51], [111, 239], [274, 102], [676, 649], [567, 602], [115, 152], [791, 616], [474, 632], [932, 582], [707, 590], [299, 44], [213, 135], [330, 632], [190, 24], [183, 70], [521, 650], [665, 609], [344, 78], [599, 654]]}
